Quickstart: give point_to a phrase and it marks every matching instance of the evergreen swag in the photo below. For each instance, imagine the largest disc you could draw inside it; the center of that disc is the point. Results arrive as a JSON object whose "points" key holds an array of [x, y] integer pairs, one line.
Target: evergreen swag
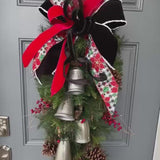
{"points": [[80, 33], [87, 106]]}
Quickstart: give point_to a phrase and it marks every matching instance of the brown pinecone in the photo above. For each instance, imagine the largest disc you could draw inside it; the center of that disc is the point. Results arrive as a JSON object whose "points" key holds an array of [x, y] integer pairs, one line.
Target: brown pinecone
{"points": [[95, 153], [49, 149], [117, 77]]}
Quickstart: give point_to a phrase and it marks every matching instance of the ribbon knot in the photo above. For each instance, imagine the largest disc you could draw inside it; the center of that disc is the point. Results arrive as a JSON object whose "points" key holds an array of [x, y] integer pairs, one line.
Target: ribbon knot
{"points": [[86, 27]]}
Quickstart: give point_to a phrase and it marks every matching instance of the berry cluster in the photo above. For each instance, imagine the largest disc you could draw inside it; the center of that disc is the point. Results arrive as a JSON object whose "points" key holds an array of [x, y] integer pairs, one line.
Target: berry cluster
{"points": [[111, 120], [42, 106]]}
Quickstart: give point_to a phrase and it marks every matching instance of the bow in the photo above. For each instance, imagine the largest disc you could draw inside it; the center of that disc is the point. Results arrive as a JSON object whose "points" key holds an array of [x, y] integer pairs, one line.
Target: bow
{"points": [[97, 19]]}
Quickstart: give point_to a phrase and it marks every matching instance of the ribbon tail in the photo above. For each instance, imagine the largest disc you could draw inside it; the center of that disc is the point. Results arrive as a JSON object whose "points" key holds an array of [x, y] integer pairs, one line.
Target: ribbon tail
{"points": [[33, 48], [59, 79], [108, 89]]}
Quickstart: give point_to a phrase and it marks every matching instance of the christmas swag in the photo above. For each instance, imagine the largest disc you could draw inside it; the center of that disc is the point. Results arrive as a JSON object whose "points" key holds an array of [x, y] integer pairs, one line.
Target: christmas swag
{"points": [[78, 51]]}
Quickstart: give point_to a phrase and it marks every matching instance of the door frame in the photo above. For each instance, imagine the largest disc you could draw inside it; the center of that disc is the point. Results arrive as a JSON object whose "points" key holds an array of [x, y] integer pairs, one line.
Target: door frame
{"points": [[156, 153]]}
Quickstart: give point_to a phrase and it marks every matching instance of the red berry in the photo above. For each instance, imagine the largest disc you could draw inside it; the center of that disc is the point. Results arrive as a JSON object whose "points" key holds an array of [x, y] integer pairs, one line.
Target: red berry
{"points": [[44, 102], [40, 105], [37, 102], [83, 120], [110, 122], [119, 128], [37, 110], [32, 111], [47, 106], [114, 126]]}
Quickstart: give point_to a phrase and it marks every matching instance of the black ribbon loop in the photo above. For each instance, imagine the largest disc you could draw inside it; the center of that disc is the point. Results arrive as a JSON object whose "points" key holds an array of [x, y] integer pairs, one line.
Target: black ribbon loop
{"points": [[110, 12], [45, 7]]}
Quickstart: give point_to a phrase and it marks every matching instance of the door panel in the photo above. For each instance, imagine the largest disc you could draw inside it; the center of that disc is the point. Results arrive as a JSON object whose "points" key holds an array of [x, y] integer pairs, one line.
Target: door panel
{"points": [[138, 100]]}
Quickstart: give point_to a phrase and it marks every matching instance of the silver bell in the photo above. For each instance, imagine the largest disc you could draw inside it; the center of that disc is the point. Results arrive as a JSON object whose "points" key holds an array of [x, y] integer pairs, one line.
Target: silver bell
{"points": [[83, 132], [63, 151], [75, 89], [65, 110]]}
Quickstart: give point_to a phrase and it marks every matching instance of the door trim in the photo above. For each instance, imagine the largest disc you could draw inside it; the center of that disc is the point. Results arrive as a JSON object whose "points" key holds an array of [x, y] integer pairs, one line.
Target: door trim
{"points": [[156, 153]]}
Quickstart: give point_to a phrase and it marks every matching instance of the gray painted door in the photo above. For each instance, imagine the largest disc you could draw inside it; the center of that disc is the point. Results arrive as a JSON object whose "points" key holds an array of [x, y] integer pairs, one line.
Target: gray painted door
{"points": [[138, 101]]}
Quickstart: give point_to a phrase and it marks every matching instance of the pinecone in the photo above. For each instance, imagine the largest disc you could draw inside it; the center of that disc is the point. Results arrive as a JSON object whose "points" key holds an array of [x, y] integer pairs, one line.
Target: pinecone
{"points": [[95, 153], [49, 149], [117, 77]]}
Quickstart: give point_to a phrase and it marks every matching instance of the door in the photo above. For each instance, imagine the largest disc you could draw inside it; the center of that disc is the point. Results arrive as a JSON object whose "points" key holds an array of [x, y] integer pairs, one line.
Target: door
{"points": [[138, 100]]}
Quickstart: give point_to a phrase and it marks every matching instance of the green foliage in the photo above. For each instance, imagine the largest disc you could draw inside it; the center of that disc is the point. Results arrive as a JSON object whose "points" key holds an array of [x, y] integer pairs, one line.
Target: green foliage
{"points": [[44, 92], [52, 126], [118, 64], [120, 39], [93, 108], [46, 120], [90, 100], [80, 46]]}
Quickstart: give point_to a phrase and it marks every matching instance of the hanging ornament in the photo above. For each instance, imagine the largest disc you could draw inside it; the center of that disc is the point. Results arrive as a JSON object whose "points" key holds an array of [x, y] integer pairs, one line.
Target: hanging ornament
{"points": [[65, 110], [83, 132], [63, 151], [75, 75]]}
